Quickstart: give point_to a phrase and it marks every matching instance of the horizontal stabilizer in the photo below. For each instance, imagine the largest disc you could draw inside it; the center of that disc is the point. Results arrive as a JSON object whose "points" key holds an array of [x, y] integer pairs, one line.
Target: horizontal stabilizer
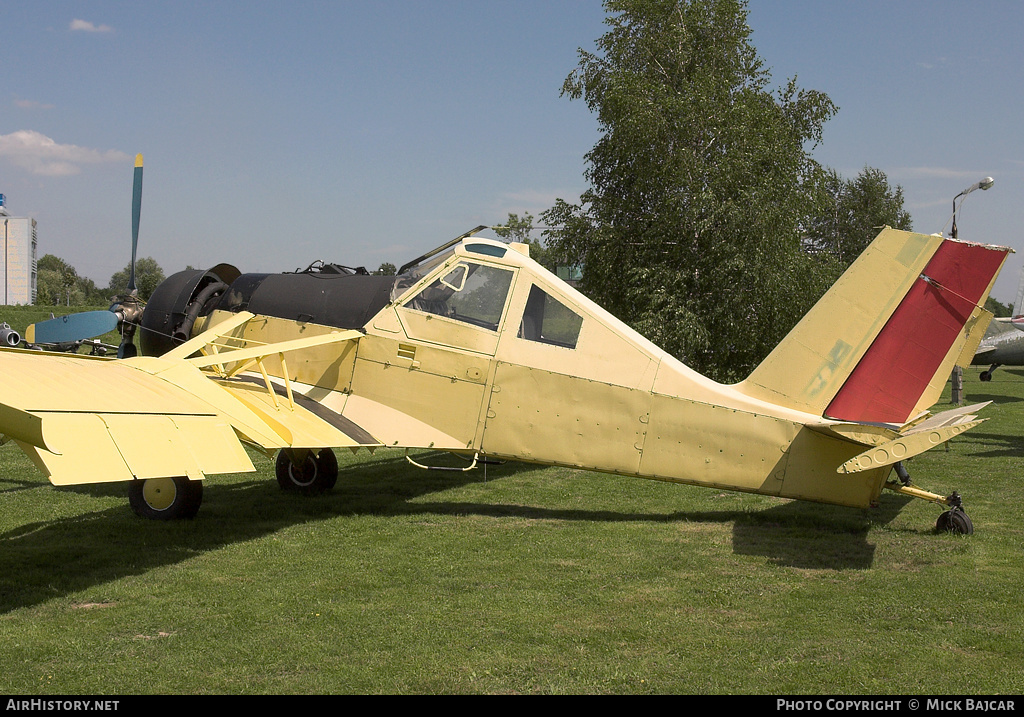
{"points": [[918, 438]]}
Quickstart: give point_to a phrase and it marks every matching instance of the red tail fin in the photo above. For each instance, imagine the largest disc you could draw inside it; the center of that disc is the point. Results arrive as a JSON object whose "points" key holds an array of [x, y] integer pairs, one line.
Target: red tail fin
{"points": [[888, 381], [879, 345]]}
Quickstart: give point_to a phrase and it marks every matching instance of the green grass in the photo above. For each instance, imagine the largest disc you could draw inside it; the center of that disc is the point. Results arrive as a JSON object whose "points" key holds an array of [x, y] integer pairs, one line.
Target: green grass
{"points": [[21, 316], [520, 580]]}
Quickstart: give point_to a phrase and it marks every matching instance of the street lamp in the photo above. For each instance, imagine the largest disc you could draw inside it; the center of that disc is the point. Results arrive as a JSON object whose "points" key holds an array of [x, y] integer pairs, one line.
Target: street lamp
{"points": [[986, 183], [957, 378]]}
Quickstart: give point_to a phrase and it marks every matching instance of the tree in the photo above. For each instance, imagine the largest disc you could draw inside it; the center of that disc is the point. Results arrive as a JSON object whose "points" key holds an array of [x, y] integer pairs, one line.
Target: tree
{"points": [[998, 308], [520, 229], [148, 275], [857, 209], [699, 184], [48, 287], [89, 294], [58, 284], [386, 269], [56, 281]]}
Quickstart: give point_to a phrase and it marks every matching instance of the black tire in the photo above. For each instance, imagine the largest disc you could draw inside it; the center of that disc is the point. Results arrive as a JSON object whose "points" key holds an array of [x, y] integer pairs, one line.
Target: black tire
{"points": [[318, 472], [985, 376], [954, 521], [166, 498]]}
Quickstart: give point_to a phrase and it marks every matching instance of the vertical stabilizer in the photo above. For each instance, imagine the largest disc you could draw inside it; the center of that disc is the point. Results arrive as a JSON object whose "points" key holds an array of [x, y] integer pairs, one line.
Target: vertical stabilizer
{"points": [[874, 348]]}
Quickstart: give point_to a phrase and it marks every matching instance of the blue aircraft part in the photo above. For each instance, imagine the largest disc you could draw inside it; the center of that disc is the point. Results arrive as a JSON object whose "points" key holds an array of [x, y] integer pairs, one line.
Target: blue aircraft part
{"points": [[75, 327]]}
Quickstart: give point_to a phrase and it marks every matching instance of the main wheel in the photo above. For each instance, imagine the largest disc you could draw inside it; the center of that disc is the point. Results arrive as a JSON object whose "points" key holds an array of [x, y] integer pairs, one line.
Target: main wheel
{"points": [[317, 472], [166, 498], [985, 376], [954, 521]]}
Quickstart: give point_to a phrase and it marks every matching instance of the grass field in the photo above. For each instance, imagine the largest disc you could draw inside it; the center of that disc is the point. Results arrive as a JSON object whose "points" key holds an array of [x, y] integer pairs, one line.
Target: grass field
{"points": [[517, 579]]}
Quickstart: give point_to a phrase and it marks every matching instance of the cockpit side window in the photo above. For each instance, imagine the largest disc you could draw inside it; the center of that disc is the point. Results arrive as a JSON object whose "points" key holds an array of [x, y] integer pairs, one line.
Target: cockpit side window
{"points": [[472, 293], [549, 321]]}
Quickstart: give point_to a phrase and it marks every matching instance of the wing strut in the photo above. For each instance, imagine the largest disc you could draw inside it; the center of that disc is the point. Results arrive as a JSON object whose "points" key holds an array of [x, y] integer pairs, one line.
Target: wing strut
{"points": [[227, 355]]}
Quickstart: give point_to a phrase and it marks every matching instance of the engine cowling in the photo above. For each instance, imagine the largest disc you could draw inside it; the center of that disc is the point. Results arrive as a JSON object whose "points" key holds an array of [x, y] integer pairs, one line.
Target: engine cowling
{"points": [[326, 294], [342, 300], [177, 302]]}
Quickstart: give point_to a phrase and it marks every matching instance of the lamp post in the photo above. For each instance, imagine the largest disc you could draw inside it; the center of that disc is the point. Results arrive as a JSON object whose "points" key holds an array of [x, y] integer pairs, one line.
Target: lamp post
{"points": [[957, 379], [984, 184]]}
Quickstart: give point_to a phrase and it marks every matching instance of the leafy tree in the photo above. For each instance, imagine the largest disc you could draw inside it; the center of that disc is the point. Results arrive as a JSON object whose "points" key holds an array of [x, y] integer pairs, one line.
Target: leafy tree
{"points": [[89, 294], [148, 275], [50, 262], [56, 281], [48, 287], [520, 229], [856, 210], [998, 308], [386, 269], [699, 184]]}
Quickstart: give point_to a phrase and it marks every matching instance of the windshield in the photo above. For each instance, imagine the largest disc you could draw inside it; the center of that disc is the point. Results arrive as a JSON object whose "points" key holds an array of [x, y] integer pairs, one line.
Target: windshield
{"points": [[414, 273], [471, 293]]}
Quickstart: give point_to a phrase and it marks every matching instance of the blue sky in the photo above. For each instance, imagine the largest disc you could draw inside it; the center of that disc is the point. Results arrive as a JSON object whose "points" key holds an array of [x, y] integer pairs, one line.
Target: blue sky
{"points": [[275, 134]]}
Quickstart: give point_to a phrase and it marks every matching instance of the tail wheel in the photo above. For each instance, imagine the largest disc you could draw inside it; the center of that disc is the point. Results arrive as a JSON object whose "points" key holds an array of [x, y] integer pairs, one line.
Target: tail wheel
{"points": [[954, 521], [307, 472], [166, 498]]}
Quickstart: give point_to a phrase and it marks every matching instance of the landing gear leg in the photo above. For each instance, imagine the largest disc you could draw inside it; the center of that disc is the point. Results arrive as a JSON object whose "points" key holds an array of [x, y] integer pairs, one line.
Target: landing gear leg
{"points": [[987, 375], [901, 472], [954, 520]]}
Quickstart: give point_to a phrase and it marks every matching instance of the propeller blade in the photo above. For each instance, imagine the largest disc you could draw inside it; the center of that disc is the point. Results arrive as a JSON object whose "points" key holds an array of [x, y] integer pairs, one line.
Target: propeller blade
{"points": [[136, 215], [90, 324], [127, 350], [73, 327]]}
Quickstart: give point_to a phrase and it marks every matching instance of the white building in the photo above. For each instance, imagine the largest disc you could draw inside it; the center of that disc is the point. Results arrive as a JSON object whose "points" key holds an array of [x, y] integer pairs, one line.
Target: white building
{"points": [[18, 273]]}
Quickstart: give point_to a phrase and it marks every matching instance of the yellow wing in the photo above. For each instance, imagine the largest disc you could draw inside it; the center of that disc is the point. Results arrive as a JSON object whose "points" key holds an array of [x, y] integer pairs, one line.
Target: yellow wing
{"points": [[85, 420]]}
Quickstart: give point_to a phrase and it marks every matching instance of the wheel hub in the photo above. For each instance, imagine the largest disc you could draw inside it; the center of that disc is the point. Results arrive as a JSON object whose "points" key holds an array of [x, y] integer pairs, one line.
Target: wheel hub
{"points": [[303, 475], [159, 493]]}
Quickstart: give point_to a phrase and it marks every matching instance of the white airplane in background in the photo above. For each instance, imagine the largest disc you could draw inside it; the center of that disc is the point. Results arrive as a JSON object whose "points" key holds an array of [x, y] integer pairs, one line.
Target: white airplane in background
{"points": [[1004, 346]]}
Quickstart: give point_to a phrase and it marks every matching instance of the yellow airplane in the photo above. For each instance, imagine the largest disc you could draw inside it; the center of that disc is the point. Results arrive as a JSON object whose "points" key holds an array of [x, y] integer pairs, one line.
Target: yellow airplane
{"points": [[476, 349]]}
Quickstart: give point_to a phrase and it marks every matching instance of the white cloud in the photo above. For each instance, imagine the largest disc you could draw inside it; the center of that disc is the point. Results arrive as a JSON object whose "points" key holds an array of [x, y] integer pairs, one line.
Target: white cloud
{"points": [[86, 26], [32, 105], [41, 155], [934, 173]]}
